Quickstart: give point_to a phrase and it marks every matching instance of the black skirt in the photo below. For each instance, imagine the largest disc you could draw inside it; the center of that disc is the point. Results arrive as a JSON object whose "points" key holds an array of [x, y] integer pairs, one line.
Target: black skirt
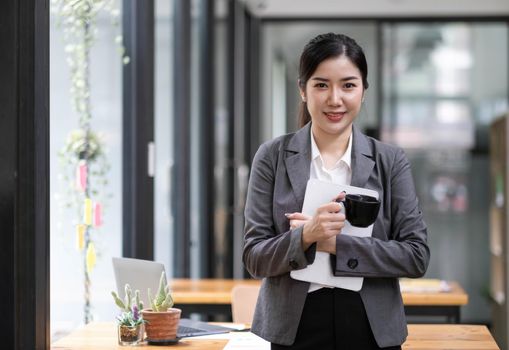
{"points": [[333, 319]]}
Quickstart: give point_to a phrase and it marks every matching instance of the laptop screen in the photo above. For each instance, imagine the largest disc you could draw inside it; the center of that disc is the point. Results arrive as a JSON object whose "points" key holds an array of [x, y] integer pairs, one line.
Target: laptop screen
{"points": [[139, 274]]}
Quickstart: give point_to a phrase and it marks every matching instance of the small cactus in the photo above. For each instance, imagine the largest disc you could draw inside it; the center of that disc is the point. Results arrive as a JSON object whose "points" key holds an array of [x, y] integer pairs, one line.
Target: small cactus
{"points": [[127, 303], [163, 300], [130, 307]]}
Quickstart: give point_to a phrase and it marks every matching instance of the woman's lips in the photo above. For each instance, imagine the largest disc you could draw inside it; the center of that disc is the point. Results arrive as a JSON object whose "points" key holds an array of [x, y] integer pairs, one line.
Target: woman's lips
{"points": [[335, 116]]}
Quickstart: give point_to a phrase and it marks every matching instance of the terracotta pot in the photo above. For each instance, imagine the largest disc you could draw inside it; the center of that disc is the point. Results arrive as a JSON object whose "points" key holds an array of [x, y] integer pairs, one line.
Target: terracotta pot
{"points": [[161, 325]]}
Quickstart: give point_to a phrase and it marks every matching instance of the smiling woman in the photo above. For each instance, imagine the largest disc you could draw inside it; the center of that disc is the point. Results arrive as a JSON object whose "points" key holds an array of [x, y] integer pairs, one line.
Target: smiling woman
{"points": [[280, 239]]}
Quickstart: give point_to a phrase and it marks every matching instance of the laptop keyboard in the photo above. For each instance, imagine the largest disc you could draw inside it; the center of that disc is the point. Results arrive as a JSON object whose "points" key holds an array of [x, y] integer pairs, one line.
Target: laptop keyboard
{"points": [[183, 330]]}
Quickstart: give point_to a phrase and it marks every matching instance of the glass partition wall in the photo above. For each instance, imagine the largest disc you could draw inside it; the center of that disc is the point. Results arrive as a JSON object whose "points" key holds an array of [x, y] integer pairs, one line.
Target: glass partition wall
{"points": [[207, 247], [76, 296], [204, 239], [443, 84], [434, 89]]}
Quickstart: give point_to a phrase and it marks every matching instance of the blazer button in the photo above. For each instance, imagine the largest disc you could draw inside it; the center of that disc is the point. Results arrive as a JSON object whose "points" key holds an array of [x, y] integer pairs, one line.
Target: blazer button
{"points": [[352, 263], [293, 264]]}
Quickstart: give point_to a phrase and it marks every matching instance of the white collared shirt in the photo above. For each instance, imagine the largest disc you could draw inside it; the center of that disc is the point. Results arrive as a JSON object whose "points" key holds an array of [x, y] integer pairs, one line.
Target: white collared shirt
{"points": [[340, 174]]}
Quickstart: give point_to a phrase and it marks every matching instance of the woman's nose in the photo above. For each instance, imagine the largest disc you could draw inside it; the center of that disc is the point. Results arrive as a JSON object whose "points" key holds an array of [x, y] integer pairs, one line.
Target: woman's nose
{"points": [[335, 97]]}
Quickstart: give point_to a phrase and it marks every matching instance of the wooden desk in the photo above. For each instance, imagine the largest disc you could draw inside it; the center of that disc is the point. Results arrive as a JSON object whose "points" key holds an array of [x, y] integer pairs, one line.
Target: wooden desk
{"points": [[213, 296], [437, 303], [103, 336]]}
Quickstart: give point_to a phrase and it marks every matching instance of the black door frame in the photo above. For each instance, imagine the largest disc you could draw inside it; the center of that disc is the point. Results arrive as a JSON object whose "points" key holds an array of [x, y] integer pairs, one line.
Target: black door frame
{"points": [[24, 174], [138, 161]]}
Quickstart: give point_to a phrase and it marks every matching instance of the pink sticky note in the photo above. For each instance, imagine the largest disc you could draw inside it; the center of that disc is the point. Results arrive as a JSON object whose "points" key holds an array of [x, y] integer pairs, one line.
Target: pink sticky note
{"points": [[97, 214], [81, 176]]}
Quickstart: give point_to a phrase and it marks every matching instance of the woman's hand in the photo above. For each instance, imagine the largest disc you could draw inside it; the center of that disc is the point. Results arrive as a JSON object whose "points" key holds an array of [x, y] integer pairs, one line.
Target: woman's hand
{"points": [[297, 219], [323, 227], [328, 245]]}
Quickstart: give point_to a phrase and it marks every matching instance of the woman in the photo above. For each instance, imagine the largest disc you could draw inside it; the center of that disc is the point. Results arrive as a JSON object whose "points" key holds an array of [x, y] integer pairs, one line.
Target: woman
{"points": [[293, 314]]}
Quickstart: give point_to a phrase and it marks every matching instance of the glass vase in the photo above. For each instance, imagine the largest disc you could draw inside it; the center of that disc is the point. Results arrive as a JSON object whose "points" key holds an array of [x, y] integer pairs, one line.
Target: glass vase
{"points": [[130, 336]]}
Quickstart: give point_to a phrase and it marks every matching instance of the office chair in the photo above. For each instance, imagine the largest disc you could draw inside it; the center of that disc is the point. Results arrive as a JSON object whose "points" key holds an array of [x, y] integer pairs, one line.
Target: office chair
{"points": [[243, 303]]}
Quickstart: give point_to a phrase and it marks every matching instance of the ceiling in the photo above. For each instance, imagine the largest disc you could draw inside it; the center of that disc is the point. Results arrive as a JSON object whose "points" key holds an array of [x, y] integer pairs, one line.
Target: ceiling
{"points": [[376, 8]]}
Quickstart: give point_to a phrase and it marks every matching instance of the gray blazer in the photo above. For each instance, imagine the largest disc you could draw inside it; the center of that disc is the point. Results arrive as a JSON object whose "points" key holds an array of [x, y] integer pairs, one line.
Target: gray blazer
{"points": [[397, 248]]}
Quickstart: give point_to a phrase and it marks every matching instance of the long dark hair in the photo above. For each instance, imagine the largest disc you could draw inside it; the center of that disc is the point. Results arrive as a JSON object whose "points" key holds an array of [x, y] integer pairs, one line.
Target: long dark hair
{"points": [[323, 47]]}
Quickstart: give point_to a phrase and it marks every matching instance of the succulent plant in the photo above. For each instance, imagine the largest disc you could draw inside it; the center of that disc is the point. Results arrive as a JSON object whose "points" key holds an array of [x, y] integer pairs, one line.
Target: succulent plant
{"points": [[130, 307], [163, 300]]}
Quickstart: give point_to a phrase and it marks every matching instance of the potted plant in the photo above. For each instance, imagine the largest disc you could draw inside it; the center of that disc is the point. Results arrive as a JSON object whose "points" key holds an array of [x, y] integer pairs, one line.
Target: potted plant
{"points": [[162, 319], [130, 322]]}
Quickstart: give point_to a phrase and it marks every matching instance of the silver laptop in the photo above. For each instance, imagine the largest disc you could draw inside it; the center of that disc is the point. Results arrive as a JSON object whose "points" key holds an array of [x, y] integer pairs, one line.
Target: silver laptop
{"points": [[139, 274], [144, 274]]}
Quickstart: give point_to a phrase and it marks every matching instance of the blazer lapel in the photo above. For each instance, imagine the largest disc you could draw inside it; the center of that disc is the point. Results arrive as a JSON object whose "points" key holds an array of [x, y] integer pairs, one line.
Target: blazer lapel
{"points": [[297, 161], [362, 159]]}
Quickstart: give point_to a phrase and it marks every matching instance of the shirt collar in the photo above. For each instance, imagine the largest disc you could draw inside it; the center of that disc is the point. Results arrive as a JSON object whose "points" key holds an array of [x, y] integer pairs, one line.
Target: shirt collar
{"points": [[346, 158]]}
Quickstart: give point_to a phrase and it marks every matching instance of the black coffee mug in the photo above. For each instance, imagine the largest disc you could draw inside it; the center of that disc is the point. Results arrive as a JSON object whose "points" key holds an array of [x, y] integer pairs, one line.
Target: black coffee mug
{"points": [[361, 210]]}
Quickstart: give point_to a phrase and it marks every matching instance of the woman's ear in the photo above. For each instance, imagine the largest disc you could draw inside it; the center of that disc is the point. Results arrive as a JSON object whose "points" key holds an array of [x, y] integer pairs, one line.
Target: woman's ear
{"points": [[301, 91]]}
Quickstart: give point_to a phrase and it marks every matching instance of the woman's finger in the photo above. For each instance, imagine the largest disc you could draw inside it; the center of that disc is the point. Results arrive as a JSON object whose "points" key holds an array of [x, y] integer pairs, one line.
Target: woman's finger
{"points": [[335, 226], [297, 216], [332, 217], [332, 207], [340, 197]]}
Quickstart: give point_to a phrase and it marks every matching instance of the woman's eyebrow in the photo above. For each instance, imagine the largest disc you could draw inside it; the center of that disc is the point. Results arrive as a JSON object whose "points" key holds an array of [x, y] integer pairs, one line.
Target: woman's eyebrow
{"points": [[344, 79], [350, 78], [319, 79]]}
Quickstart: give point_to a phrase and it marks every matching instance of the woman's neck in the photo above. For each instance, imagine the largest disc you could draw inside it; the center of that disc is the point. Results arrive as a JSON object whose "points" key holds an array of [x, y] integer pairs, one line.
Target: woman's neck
{"points": [[332, 147]]}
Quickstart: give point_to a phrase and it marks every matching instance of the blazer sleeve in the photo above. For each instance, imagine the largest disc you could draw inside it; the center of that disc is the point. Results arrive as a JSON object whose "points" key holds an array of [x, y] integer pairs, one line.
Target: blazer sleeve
{"points": [[406, 253], [268, 252]]}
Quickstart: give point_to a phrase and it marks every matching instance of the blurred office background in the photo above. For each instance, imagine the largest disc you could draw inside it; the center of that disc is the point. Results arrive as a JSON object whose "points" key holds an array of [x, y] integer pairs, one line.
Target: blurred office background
{"points": [[223, 78]]}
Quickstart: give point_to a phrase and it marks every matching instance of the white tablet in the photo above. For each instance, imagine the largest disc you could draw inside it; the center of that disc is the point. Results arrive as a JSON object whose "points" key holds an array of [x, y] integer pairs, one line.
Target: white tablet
{"points": [[320, 271]]}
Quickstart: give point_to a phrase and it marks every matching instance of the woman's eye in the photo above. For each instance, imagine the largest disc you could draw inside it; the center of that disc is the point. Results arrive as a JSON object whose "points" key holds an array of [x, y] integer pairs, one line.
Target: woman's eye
{"points": [[321, 85], [349, 85]]}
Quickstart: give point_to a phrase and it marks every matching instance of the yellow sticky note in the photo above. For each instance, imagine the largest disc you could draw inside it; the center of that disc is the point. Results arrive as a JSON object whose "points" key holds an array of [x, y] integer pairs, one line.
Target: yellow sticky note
{"points": [[80, 236], [90, 258], [87, 212]]}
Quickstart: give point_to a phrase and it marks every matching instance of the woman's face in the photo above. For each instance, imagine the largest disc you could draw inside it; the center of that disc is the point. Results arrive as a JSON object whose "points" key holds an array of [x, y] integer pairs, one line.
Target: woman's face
{"points": [[334, 95]]}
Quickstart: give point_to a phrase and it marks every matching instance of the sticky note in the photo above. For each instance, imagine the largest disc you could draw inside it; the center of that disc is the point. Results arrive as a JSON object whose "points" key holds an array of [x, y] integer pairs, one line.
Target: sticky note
{"points": [[81, 176], [80, 236], [90, 258], [97, 214], [87, 212]]}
